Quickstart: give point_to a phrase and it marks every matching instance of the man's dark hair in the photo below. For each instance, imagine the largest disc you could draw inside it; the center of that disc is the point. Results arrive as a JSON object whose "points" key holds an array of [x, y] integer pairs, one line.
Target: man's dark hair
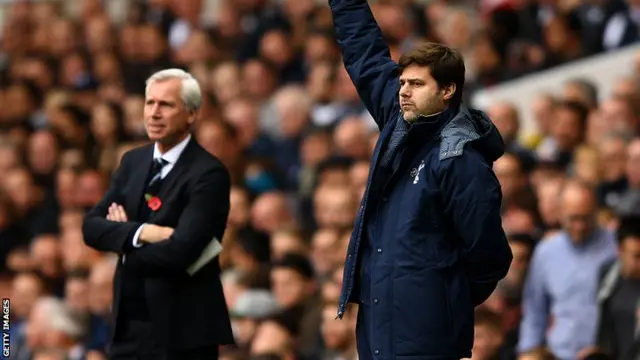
{"points": [[629, 227], [269, 356], [446, 65], [78, 274], [233, 353], [335, 163], [598, 355], [522, 238], [579, 109], [297, 263], [271, 68], [588, 89], [228, 129]]}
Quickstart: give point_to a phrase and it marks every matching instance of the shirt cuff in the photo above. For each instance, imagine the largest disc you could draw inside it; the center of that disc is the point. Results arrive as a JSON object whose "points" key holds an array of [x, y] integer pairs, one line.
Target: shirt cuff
{"points": [[136, 237]]}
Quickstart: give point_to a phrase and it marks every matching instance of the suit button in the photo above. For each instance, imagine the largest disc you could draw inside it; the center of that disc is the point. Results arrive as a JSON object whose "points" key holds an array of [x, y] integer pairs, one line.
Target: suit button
{"points": [[375, 301], [349, 256], [379, 250], [376, 351]]}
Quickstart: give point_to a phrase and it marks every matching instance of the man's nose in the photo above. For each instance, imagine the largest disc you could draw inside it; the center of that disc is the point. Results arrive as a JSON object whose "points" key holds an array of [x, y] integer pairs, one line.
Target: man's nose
{"points": [[404, 91]]}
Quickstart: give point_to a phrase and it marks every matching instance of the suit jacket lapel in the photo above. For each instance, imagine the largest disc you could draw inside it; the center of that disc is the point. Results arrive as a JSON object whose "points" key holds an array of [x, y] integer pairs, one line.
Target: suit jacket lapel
{"points": [[180, 167], [140, 174]]}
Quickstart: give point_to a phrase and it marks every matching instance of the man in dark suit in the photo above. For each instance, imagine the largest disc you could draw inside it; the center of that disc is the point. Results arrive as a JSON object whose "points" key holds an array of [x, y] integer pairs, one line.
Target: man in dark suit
{"points": [[166, 203]]}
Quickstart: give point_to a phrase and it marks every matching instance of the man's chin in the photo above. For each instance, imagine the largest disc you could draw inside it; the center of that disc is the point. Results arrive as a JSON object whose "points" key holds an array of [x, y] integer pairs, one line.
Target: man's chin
{"points": [[409, 116], [156, 137]]}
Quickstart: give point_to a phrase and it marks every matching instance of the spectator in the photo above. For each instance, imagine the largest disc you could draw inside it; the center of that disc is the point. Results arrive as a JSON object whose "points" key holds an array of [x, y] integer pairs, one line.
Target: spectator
{"points": [[270, 212], [581, 91], [248, 311], [613, 150], [350, 138], [273, 338], [548, 193], [619, 296], [287, 241], [488, 336], [630, 199], [243, 115], [620, 114], [569, 129], [506, 118], [53, 325], [578, 251], [338, 337], [295, 289]]}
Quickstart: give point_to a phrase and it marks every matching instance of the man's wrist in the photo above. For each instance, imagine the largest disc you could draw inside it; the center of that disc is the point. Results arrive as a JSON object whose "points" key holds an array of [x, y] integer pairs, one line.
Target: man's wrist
{"points": [[146, 232], [137, 237], [151, 233]]}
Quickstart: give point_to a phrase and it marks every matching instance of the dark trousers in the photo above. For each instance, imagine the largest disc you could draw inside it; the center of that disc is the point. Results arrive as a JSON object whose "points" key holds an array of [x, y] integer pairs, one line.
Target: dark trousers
{"points": [[134, 341]]}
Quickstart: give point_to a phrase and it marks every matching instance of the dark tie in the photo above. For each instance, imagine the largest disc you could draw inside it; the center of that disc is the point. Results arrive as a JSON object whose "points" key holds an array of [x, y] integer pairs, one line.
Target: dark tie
{"points": [[397, 137], [156, 175]]}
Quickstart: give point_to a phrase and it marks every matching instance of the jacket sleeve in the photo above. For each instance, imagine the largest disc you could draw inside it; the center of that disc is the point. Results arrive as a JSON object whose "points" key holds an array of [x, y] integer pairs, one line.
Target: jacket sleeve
{"points": [[535, 306], [366, 57], [105, 235], [203, 218], [605, 332], [472, 199]]}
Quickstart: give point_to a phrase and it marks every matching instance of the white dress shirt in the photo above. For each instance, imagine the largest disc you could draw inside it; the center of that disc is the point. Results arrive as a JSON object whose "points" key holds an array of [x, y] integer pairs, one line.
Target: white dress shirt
{"points": [[171, 157]]}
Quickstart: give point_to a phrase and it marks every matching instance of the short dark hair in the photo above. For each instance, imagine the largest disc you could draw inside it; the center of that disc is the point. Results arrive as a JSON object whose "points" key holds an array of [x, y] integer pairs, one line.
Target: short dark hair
{"points": [[588, 89], [522, 238], [228, 129], [297, 263], [629, 227], [579, 109], [446, 65], [335, 163], [267, 356], [78, 274], [598, 355]]}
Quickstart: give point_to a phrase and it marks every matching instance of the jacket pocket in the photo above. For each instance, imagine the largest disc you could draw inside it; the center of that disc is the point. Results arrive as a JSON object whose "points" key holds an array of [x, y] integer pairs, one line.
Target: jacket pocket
{"points": [[421, 313]]}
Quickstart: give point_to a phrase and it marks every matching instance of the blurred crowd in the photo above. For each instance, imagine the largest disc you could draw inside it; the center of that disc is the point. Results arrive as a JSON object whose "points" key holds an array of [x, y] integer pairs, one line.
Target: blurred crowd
{"points": [[281, 113]]}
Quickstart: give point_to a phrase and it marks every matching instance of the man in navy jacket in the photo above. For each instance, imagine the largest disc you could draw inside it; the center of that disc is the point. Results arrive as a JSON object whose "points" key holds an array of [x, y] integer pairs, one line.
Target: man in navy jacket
{"points": [[428, 244]]}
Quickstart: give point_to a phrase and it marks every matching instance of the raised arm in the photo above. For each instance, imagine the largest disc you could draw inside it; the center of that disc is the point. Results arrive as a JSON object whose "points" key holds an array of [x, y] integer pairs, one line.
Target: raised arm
{"points": [[367, 58], [106, 235], [204, 218]]}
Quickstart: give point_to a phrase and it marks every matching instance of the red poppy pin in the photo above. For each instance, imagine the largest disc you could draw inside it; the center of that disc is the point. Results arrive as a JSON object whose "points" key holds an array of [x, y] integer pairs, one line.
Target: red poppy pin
{"points": [[153, 202]]}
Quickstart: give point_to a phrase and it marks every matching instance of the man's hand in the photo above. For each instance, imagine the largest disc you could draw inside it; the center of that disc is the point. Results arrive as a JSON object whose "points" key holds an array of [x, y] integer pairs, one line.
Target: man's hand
{"points": [[590, 350], [151, 233], [117, 213]]}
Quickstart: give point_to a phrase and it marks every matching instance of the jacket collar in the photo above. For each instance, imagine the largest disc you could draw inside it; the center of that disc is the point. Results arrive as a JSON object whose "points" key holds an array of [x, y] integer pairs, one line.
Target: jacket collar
{"points": [[426, 127], [174, 153]]}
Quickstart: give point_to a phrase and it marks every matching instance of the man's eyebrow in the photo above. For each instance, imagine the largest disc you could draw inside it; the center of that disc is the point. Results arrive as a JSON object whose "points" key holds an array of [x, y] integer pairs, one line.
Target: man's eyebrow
{"points": [[412, 79]]}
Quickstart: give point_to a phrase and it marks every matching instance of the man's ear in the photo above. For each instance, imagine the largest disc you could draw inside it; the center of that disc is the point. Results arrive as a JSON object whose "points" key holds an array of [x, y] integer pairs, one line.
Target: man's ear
{"points": [[449, 91], [192, 117]]}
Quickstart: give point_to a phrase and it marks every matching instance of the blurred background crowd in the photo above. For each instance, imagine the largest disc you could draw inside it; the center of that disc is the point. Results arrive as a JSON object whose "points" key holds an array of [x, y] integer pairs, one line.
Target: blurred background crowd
{"points": [[281, 113]]}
